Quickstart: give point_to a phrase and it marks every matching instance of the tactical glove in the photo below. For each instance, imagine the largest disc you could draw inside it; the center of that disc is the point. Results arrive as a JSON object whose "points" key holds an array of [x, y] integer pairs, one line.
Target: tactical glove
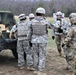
{"points": [[60, 30], [30, 44], [53, 37], [63, 45]]}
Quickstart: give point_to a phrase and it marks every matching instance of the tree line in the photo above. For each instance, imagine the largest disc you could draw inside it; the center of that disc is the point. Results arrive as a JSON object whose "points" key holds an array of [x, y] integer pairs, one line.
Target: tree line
{"points": [[29, 6]]}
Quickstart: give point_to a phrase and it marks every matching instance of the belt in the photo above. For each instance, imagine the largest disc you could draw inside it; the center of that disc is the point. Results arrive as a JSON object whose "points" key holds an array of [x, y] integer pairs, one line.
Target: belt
{"points": [[22, 36]]}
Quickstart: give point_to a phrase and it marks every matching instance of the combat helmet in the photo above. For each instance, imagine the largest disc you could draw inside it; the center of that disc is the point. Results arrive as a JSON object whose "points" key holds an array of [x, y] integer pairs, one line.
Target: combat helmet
{"points": [[22, 16], [72, 17], [59, 13], [41, 10], [31, 15]]}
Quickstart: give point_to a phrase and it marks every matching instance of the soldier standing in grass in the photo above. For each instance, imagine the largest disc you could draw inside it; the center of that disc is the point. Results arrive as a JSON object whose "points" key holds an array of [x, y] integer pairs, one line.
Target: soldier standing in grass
{"points": [[39, 40], [70, 42], [23, 39], [59, 31], [67, 48]]}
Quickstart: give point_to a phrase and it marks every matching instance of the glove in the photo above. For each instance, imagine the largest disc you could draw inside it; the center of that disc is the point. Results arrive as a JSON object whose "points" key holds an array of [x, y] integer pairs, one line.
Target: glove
{"points": [[60, 30], [63, 45], [30, 44], [53, 37]]}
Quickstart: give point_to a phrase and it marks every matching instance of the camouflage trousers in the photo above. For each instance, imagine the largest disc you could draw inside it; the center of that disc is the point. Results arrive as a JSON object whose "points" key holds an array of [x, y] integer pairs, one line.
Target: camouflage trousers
{"points": [[59, 40], [23, 47], [39, 55], [66, 52], [72, 59]]}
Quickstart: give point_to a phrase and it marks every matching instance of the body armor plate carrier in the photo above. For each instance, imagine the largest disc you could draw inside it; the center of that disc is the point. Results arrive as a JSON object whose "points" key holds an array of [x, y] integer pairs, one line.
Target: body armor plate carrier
{"points": [[39, 28]]}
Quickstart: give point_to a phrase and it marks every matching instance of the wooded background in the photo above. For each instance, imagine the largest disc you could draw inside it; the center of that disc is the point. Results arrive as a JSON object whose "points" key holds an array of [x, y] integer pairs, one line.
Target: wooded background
{"points": [[29, 6]]}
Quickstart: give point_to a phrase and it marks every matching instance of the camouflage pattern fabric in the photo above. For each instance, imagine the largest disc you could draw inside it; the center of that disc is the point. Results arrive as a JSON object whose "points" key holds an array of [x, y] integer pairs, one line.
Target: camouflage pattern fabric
{"points": [[71, 40], [23, 43], [23, 47], [60, 36], [39, 55], [42, 38], [59, 40], [39, 46]]}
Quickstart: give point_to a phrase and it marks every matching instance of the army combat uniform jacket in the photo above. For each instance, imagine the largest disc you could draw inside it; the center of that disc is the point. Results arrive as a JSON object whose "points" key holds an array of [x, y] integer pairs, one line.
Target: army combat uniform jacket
{"points": [[70, 42], [39, 41], [23, 39]]}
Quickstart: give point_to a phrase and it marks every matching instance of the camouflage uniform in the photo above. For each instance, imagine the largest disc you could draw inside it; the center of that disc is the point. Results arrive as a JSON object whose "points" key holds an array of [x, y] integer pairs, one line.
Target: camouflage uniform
{"points": [[60, 31], [67, 29], [23, 33], [39, 41], [67, 48], [70, 42]]}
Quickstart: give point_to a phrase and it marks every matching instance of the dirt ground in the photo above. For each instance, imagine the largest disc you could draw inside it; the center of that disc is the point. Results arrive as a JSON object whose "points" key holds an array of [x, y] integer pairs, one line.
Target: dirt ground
{"points": [[54, 64]]}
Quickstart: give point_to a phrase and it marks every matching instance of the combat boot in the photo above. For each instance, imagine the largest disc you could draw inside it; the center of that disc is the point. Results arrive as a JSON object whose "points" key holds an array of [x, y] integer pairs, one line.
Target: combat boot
{"points": [[35, 72], [31, 68], [21, 68], [41, 73]]}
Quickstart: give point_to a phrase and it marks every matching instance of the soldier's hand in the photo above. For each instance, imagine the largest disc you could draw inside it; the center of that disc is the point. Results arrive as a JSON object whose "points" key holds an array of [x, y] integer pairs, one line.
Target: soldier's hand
{"points": [[30, 44], [53, 37], [63, 45]]}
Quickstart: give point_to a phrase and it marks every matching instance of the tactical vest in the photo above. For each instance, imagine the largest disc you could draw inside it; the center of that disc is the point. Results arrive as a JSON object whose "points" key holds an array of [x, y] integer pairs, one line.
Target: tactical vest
{"points": [[58, 27], [39, 28], [23, 29]]}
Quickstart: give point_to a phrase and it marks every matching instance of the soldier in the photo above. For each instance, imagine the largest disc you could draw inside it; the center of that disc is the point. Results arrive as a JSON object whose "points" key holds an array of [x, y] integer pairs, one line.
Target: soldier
{"points": [[67, 50], [59, 30], [31, 16], [23, 38], [14, 35], [70, 42], [39, 40]]}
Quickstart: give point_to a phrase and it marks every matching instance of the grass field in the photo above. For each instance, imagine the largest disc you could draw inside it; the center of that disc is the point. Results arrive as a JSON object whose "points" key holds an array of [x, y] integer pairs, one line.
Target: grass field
{"points": [[51, 19]]}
